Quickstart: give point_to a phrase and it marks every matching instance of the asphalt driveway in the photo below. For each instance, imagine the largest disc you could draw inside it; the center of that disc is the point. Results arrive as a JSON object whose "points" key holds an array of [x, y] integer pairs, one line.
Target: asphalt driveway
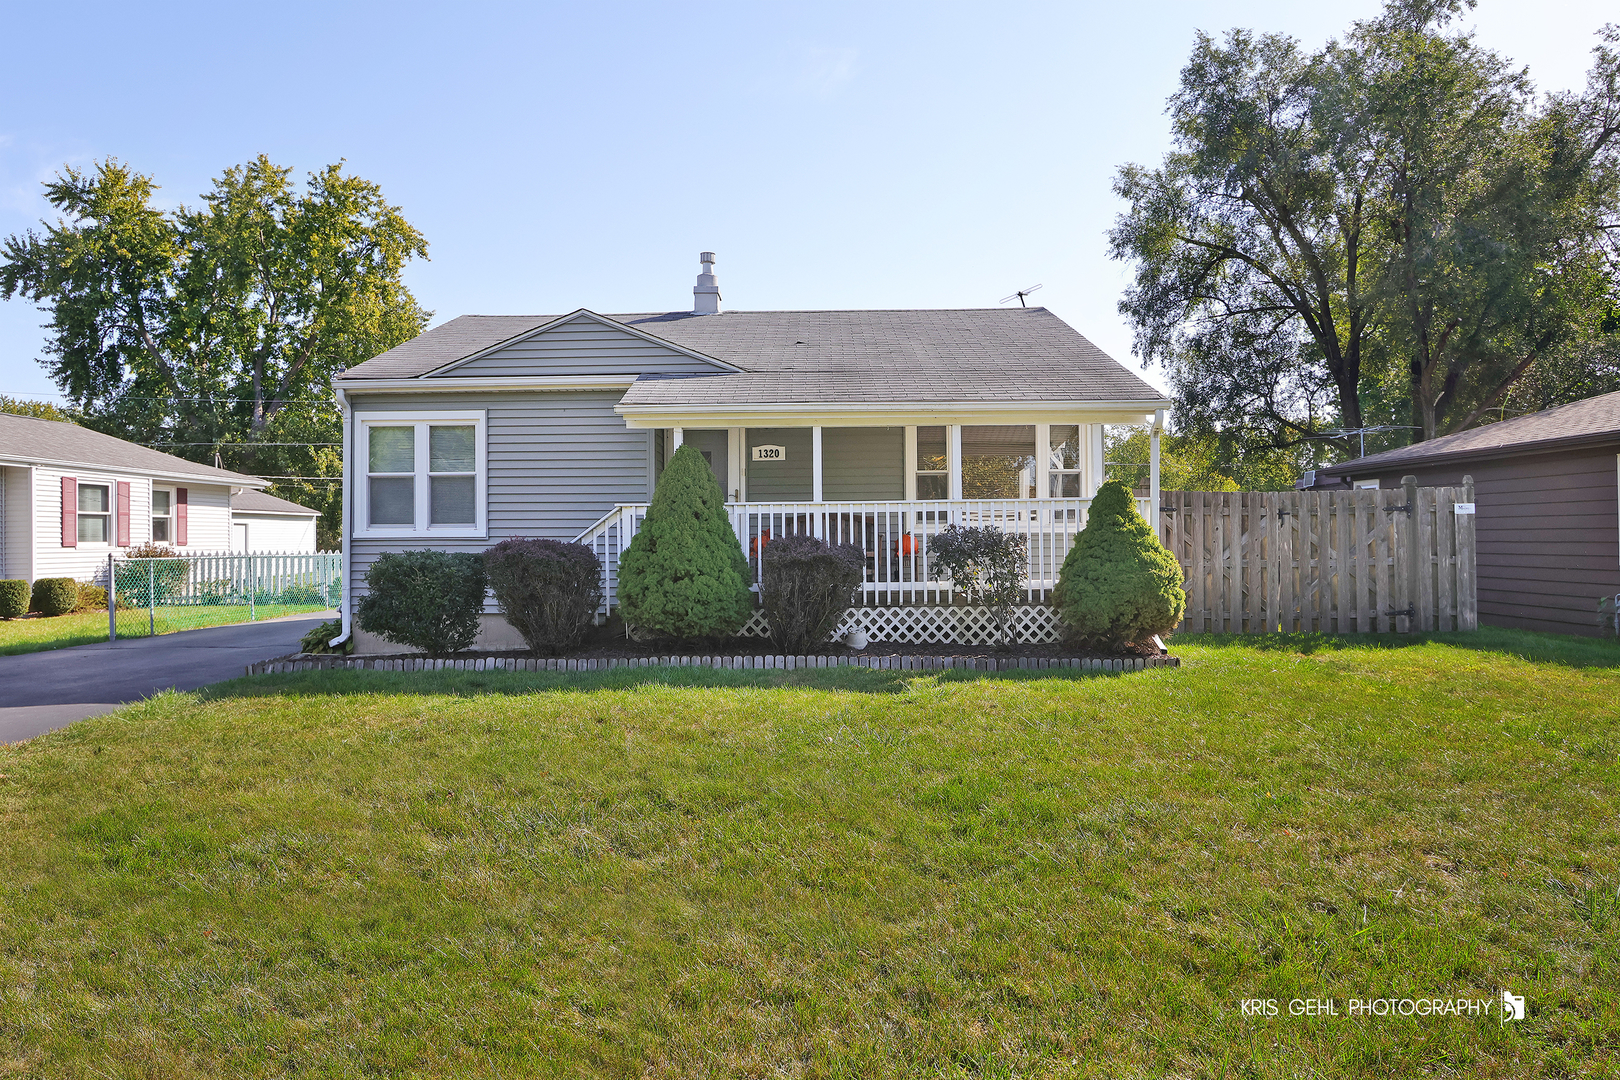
{"points": [[46, 690]]}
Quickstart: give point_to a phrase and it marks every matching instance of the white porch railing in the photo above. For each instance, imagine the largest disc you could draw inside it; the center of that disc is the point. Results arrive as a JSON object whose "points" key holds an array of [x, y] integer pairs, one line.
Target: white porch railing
{"points": [[895, 536]]}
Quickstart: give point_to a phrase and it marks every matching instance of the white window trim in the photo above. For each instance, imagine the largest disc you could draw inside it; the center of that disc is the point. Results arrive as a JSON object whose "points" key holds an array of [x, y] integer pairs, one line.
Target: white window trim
{"points": [[152, 516], [1366, 485], [422, 530], [80, 483]]}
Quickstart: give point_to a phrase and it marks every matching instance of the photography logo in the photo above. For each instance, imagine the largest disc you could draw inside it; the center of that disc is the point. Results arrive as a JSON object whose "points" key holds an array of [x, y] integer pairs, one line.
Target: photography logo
{"points": [[1512, 1006]]}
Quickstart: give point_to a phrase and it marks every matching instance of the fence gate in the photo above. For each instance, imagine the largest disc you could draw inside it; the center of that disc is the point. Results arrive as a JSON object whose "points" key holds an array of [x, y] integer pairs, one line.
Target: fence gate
{"points": [[1333, 562]]}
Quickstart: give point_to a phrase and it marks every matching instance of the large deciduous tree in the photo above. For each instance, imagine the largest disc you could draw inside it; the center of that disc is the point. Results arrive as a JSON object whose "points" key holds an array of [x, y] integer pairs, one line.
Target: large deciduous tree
{"points": [[216, 329], [1389, 230]]}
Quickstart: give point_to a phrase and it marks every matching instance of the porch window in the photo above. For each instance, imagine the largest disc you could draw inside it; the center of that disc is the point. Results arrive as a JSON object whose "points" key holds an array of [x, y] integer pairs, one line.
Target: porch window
{"points": [[998, 462], [933, 464], [1065, 467], [95, 514], [162, 513], [424, 474]]}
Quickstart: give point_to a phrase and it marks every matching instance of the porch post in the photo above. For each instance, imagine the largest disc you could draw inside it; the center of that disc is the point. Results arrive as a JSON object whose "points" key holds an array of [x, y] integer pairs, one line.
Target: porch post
{"points": [[953, 435], [736, 447], [911, 465], [815, 463], [1153, 466], [1043, 461], [1098, 471], [676, 437]]}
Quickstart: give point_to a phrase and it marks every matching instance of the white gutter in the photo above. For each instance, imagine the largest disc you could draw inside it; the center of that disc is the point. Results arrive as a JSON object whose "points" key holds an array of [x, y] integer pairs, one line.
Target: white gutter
{"points": [[346, 606]]}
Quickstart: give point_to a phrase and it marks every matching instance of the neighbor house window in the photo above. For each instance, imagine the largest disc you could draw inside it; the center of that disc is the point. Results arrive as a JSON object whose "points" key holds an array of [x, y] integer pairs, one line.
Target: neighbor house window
{"points": [[933, 464], [1064, 463], [162, 516], [95, 514], [424, 474]]}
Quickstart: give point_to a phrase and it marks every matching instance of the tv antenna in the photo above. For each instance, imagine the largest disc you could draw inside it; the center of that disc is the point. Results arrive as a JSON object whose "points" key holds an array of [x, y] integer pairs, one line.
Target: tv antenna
{"points": [[1019, 296]]}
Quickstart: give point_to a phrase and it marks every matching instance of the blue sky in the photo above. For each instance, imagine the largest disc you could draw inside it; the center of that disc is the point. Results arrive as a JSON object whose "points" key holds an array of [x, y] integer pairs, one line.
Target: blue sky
{"points": [[834, 155]]}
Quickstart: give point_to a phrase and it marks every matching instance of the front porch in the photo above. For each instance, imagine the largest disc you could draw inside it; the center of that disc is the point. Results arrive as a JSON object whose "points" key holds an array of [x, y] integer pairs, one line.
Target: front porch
{"points": [[900, 600]]}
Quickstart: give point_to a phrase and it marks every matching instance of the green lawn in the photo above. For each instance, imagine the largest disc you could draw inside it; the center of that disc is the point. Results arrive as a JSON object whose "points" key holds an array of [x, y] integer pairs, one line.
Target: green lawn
{"points": [[37, 633], [829, 873]]}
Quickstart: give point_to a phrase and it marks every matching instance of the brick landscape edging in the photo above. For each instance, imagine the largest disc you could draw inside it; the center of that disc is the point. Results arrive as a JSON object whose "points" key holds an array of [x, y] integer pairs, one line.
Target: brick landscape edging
{"points": [[779, 663]]}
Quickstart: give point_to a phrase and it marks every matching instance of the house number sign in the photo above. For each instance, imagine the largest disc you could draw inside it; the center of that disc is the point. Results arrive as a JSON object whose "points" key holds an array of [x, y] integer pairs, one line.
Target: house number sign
{"points": [[1463, 508], [770, 453]]}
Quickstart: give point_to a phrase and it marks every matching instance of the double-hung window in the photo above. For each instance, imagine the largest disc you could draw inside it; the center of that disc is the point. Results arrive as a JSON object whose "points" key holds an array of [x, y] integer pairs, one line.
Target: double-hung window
{"points": [[162, 516], [424, 474], [95, 514]]}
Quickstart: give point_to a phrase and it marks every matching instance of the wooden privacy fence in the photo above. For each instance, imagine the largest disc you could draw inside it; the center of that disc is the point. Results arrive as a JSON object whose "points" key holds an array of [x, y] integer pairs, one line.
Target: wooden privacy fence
{"points": [[1333, 562]]}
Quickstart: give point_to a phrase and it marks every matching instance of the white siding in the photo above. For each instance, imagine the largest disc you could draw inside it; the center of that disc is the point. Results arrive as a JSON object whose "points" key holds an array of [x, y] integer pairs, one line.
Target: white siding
{"points": [[18, 524], [209, 518], [271, 532], [583, 347]]}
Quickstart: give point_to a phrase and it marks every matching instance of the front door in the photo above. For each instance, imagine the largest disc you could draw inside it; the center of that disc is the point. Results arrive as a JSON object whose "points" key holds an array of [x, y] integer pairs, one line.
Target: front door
{"points": [[713, 444]]}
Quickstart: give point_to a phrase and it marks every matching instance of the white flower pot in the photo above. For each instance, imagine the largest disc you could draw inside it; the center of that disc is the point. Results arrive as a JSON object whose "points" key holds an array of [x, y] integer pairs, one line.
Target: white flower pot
{"points": [[857, 640]]}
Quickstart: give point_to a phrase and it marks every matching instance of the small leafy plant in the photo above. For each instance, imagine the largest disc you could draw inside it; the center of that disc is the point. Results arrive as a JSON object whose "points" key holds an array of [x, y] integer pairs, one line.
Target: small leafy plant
{"points": [[319, 639], [547, 589], [805, 587], [986, 566], [428, 600]]}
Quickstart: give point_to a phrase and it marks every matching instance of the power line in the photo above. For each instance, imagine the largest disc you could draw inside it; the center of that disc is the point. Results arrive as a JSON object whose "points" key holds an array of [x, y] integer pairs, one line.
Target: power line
{"points": [[241, 446]]}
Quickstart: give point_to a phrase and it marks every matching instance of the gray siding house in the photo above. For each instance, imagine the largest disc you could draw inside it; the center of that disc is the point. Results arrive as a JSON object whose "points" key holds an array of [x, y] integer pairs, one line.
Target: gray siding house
{"points": [[874, 427]]}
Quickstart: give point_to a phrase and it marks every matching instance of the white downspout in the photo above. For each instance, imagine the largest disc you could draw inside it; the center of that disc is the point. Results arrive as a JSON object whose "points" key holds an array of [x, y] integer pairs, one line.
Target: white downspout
{"points": [[347, 611], [815, 464]]}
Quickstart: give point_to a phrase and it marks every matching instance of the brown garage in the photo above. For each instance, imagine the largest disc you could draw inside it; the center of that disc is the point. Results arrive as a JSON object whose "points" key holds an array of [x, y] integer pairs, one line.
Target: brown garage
{"points": [[1547, 489]]}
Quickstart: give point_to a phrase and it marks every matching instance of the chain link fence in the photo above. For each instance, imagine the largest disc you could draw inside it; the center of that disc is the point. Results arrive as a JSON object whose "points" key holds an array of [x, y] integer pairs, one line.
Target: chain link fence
{"points": [[187, 592]]}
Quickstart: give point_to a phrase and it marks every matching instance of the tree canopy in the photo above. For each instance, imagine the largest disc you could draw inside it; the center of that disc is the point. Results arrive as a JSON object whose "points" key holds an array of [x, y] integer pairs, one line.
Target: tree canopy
{"points": [[1392, 230], [216, 329]]}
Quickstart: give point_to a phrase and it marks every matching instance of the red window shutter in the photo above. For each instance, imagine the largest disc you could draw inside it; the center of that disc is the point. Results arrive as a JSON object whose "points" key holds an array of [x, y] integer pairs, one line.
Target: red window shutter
{"points": [[180, 516], [123, 513], [70, 512]]}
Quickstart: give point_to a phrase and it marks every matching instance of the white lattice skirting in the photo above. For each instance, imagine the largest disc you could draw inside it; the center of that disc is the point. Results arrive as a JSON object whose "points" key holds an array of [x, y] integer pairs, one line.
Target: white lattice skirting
{"points": [[1036, 624]]}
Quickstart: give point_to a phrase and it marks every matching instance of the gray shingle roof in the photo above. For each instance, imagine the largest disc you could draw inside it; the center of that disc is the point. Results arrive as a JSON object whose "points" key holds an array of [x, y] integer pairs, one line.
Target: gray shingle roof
{"points": [[971, 354], [257, 502], [27, 439], [1595, 418]]}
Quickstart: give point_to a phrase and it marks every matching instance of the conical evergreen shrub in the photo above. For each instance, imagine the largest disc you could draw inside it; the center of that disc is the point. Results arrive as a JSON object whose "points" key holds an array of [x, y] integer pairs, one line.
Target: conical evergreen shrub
{"points": [[1119, 585], [684, 573]]}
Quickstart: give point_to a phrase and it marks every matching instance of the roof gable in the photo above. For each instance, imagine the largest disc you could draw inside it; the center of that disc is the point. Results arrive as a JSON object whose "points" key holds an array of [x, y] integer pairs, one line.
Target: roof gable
{"points": [[582, 343]]}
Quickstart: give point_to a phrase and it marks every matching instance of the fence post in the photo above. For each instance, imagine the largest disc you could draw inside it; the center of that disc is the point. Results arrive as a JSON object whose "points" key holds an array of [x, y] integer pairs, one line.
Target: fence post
{"points": [[1410, 552], [1467, 589], [151, 598], [252, 585], [112, 600]]}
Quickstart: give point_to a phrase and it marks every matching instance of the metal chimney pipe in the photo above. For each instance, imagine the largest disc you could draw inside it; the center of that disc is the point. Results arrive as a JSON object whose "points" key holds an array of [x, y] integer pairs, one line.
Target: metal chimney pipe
{"points": [[706, 293]]}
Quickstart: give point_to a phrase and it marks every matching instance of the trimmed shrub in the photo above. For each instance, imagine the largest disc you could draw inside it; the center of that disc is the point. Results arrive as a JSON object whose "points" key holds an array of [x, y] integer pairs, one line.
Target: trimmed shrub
{"points": [[1119, 586], [13, 599], [91, 597], [986, 566], [805, 587], [547, 589], [54, 596], [684, 573], [427, 600], [158, 581]]}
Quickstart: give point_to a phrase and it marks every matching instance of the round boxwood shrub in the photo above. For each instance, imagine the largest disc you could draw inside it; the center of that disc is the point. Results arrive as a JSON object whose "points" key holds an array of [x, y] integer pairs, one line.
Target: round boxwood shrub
{"points": [[13, 598], [805, 587], [1118, 586], [54, 596], [428, 600], [547, 589], [684, 573]]}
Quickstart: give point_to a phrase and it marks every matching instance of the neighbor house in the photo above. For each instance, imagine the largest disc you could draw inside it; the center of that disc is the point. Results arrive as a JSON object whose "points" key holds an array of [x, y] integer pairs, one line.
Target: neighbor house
{"points": [[261, 522], [873, 427], [69, 497], [1547, 498]]}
